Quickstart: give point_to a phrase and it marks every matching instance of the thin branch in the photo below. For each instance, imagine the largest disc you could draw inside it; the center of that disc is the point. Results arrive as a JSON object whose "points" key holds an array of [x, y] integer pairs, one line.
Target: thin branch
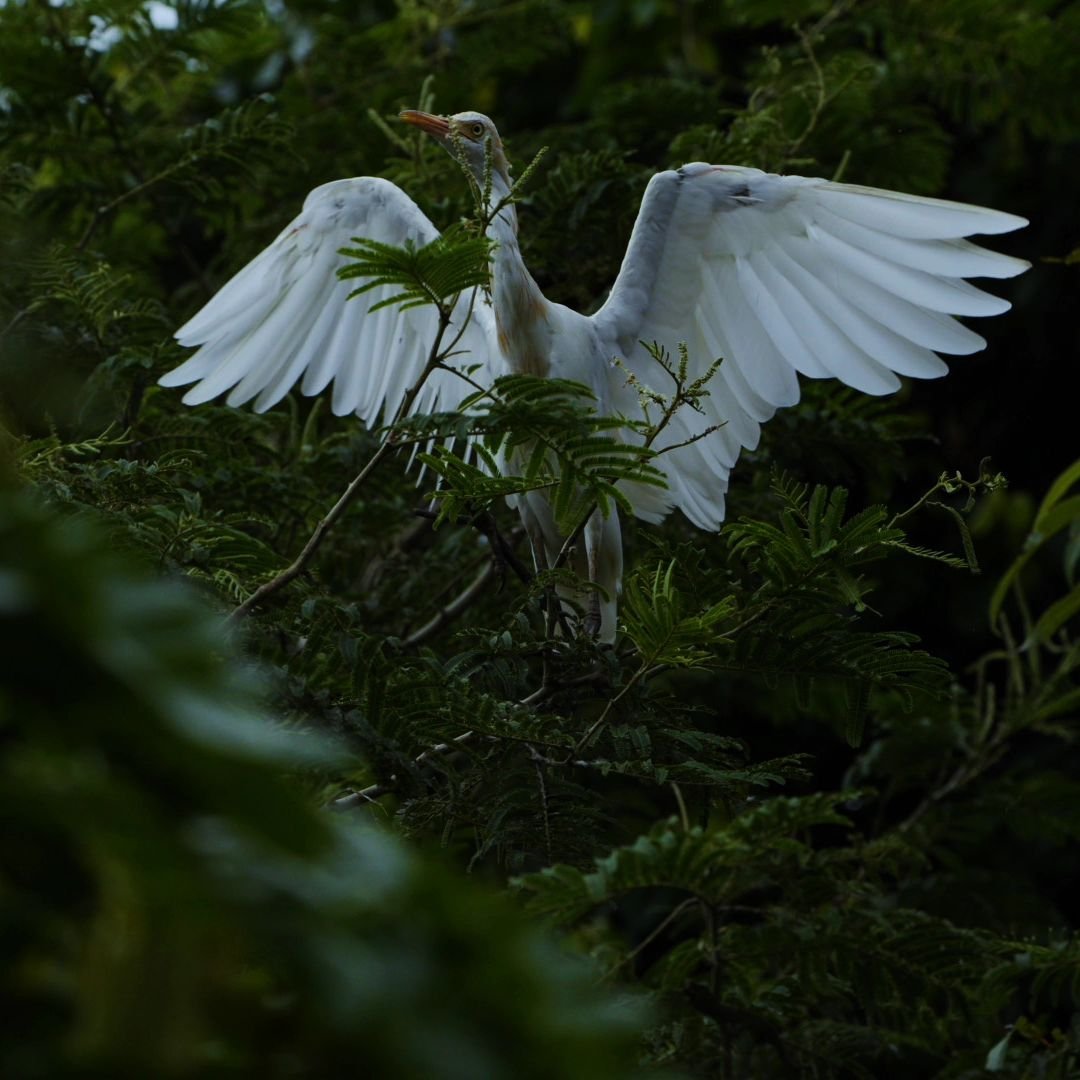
{"points": [[405, 540], [15, 320], [842, 7], [483, 391], [542, 785], [376, 791], [601, 720], [101, 212], [693, 438], [996, 728], [501, 545], [684, 817], [572, 538], [950, 484], [451, 611], [690, 901], [818, 106], [898, 517], [299, 564]]}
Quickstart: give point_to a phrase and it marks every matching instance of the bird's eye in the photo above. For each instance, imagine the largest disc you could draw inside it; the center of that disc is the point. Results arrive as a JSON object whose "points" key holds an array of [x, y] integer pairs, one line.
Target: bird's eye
{"points": [[478, 130]]}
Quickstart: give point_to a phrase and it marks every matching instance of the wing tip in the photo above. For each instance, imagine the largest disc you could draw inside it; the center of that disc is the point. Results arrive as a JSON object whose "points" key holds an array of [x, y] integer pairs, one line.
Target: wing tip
{"points": [[184, 374], [1005, 222], [197, 395], [1015, 267]]}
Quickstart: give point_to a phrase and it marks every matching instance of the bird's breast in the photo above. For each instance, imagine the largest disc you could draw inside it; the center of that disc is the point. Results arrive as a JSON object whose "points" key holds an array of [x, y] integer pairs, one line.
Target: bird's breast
{"points": [[525, 336]]}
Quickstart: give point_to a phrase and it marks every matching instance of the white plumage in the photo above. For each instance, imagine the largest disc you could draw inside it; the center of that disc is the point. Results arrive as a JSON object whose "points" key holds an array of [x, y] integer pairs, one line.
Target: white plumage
{"points": [[778, 275], [283, 318]]}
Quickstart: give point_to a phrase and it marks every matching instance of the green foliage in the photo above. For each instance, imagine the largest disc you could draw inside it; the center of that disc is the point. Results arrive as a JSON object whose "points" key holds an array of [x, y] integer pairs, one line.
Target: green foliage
{"points": [[664, 637], [866, 871], [552, 440], [1059, 511], [173, 903], [434, 274], [94, 297]]}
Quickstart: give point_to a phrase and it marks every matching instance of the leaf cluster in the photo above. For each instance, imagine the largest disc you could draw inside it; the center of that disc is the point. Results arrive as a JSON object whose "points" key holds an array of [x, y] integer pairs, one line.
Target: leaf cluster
{"points": [[533, 434], [433, 274]]}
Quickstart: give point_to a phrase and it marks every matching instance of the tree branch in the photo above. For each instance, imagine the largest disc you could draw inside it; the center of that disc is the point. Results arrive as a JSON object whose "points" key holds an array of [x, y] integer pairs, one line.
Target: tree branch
{"points": [[452, 610], [299, 564], [376, 791]]}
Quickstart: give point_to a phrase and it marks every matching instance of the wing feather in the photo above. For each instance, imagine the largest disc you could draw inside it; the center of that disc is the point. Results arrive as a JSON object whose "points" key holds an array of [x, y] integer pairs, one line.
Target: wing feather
{"points": [[864, 336], [286, 317], [728, 384], [913, 216], [347, 387], [930, 329], [269, 379], [315, 357], [246, 353], [776, 304], [771, 376], [948, 295], [243, 294], [780, 275], [948, 258]]}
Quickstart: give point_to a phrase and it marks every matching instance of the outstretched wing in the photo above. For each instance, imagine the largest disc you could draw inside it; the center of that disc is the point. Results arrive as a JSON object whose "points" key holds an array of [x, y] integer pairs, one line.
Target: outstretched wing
{"points": [[787, 274], [284, 317]]}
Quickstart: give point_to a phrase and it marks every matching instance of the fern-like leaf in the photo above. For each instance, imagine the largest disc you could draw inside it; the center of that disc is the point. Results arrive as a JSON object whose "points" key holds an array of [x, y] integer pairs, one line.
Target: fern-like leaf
{"points": [[451, 264]]}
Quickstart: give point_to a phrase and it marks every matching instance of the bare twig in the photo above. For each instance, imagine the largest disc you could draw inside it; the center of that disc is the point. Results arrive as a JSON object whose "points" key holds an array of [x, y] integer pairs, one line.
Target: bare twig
{"points": [[571, 539], [405, 540], [601, 720], [298, 565], [376, 791], [542, 784], [689, 902], [451, 611], [704, 434], [501, 545], [684, 817], [988, 746]]}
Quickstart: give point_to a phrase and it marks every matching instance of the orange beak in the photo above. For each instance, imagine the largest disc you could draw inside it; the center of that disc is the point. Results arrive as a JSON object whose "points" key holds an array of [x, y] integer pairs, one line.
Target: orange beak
{"points": [[438, 126]]}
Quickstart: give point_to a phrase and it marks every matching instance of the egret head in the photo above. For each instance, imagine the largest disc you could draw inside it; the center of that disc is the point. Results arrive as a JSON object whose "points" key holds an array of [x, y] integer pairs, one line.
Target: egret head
{"points": [[466, 134]]}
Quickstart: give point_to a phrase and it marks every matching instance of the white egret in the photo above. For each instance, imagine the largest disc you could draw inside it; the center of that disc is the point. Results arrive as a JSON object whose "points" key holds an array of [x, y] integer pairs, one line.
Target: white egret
{"points": [[779, 275]]}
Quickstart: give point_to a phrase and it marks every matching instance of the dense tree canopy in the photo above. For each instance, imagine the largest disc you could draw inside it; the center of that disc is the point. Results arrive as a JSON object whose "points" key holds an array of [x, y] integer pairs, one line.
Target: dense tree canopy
{"points": [[816, 813]]}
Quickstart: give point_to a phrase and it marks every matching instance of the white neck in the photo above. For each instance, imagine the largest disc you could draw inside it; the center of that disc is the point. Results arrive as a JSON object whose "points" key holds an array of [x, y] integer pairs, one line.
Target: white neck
{"points": [[520, 307]]}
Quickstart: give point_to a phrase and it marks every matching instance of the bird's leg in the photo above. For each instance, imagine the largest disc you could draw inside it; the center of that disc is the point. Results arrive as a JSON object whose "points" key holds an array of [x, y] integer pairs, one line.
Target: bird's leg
{"points": [[603, 556], [594, 540], [536, 518], [593, 618]]}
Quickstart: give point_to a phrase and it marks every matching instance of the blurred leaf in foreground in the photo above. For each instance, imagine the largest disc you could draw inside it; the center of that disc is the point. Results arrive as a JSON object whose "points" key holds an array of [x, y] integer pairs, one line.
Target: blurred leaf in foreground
{"points": [[171, 902]]}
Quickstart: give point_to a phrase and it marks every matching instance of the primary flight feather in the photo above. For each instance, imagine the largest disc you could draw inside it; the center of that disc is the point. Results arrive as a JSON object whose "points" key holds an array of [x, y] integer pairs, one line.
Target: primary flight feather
{"points": [[778, 275]]}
